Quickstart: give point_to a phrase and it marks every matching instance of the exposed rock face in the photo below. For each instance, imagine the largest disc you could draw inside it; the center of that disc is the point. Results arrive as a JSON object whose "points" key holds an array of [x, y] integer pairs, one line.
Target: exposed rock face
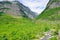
{"points": [[17, 9], [27, 11], [14, 9], [53, 3]]}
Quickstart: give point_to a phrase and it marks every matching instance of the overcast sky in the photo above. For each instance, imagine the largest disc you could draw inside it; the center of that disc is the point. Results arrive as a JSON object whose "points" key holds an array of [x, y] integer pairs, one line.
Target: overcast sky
{"points": [[35, 5]]}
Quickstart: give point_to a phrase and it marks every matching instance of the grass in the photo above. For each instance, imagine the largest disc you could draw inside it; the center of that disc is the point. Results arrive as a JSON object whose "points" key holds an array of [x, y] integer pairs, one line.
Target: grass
{"points": [[26, 29], [50, 14], [53, 38]]}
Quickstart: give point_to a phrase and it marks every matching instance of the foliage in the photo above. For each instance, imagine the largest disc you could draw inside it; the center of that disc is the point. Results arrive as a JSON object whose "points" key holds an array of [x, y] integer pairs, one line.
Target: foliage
{"points": [[54, 38], [26, 29], [50, 14], [23, 28]]}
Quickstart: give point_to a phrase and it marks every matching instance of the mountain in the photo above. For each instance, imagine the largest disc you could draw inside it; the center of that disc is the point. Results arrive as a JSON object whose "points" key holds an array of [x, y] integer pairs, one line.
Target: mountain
{"points": [[17, 9], [26, 10], [52, 11], [53, 4], [23, 28]]}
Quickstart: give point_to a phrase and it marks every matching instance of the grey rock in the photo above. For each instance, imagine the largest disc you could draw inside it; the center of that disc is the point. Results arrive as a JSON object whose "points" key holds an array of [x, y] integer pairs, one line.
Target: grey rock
{"points": [[53, 4], [17, 9]]}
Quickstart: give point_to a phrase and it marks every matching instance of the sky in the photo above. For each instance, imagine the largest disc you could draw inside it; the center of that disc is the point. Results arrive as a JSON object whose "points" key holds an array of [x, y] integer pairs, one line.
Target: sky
{"points": [[35, 5]]}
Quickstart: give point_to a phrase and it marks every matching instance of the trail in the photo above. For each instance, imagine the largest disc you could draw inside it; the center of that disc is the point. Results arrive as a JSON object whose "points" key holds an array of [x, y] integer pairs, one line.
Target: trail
{"points": [[46, 36]]}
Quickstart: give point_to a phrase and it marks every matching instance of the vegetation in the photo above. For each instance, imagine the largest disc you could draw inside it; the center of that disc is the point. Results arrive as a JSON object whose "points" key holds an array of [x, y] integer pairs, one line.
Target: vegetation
{"points": [[26, 29], [54, 38], [51, 14]]}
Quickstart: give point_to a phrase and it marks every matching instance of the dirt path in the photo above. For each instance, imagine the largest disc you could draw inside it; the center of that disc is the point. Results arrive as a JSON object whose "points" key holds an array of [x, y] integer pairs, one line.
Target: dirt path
{"points": [[46, 36]]}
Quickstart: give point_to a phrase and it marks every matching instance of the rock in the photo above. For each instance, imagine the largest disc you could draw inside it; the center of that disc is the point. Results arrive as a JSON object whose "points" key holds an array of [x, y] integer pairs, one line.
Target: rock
{"points": [[27, 11], [53, 4], [17, 9]]}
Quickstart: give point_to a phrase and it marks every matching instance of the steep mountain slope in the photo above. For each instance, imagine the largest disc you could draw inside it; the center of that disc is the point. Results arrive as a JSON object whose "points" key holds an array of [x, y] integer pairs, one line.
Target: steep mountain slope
{"points": [[26, 10], [53, 4], [52, 12], [17, 9]]}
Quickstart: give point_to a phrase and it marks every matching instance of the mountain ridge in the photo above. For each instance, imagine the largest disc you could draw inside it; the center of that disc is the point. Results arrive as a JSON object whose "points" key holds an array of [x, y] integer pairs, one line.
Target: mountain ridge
{"points": [[53, 4], [18, 9], [52, 8]]}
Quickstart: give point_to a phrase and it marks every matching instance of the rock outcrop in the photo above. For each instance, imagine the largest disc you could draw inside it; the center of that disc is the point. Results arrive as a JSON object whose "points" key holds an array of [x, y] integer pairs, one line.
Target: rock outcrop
{"points": [[17, 9], [53, 4]]}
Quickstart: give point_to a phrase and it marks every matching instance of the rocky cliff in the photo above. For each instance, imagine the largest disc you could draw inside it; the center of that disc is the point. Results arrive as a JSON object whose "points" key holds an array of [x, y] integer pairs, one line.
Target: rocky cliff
{"points": [[53, 4], [17, 9]]}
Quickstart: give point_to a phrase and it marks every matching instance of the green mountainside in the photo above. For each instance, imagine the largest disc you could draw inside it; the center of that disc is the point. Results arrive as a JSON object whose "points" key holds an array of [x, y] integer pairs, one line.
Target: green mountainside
{"points": [[27, 29], [52, 12]]}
